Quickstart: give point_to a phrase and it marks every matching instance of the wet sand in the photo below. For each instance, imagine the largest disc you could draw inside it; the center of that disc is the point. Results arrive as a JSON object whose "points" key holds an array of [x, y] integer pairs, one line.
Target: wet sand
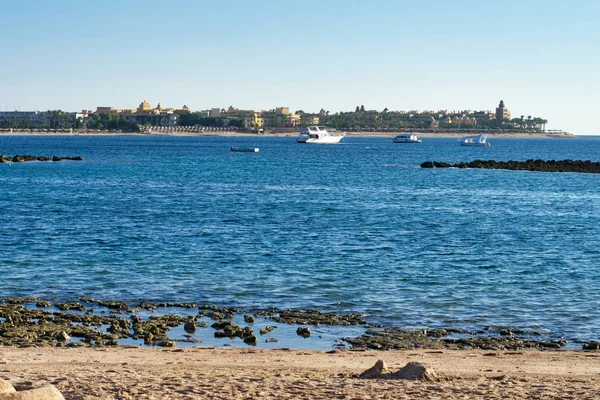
{"points": [[201, 373]]}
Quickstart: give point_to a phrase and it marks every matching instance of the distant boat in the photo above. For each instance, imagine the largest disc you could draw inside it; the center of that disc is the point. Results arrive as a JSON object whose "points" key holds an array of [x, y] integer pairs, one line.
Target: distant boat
{"points": [[406, 138], [244, 149], [318, 135], [480, 140]]}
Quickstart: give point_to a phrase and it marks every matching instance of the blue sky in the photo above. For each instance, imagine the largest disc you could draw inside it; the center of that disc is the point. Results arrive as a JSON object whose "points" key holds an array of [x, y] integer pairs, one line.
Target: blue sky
{"points": [[541, 57]]}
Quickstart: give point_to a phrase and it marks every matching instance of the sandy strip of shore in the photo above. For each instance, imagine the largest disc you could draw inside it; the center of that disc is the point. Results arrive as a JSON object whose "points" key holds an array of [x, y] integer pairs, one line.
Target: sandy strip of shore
{"points": [[201, 373]]}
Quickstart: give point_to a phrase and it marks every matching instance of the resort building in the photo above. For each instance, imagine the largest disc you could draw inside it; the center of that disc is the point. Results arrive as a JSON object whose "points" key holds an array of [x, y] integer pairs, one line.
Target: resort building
{"points": [[502, 112], [279, 117], [145, 113], [37, 116], [32, 116], [144, 108]]}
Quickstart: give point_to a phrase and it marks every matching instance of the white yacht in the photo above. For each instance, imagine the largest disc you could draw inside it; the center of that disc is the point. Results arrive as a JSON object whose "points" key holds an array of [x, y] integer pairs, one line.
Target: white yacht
{"points": [[480, 140], [406, 138], [318, 135]]}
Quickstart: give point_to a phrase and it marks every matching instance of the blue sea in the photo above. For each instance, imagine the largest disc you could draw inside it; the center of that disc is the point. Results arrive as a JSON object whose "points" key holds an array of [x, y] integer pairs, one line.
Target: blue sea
{"points": [[355, 227]]}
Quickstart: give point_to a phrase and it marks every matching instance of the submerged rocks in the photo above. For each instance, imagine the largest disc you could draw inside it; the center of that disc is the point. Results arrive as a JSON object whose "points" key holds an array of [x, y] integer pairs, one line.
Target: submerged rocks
{"points": [[529, 165], [400, 339], [231, 330], [18, 158], [303, 331], [22, 324], [591, 346], [314, 317], [71, 306], [251, 340], [63, 336], [190, 326], [267, 329]]}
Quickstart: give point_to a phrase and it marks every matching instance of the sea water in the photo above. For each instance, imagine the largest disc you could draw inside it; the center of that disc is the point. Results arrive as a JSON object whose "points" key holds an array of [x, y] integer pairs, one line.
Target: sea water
{"points": [[355, 227]]}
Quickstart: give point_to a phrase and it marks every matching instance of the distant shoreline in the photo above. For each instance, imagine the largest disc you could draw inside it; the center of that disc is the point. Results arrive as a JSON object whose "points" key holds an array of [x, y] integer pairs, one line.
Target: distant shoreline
{"points": [[287, 134]]}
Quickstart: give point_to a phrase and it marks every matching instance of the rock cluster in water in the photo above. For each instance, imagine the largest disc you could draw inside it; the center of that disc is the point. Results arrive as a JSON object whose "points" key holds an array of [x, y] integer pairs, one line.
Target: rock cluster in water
{"points": [[20, 158], [33, 322], [529, 165], [314, 317], [401, 339], [30, 322]]}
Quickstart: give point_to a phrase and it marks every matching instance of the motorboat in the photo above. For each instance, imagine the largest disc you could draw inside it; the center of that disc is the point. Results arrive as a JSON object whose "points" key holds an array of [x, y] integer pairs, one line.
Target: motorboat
{"points": [[406, 138], [318, 135], [479, 140], [244, 149]]}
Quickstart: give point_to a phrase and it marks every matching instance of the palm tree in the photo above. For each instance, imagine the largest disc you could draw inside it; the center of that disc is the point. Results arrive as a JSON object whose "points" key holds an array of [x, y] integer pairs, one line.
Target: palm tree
{"points": [[522, 122]]}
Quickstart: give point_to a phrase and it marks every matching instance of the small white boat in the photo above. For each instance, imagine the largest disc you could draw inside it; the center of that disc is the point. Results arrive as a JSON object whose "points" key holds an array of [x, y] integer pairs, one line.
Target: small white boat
{"points": [[479, 140], [406, 138], [318, 135], [244, 149]]}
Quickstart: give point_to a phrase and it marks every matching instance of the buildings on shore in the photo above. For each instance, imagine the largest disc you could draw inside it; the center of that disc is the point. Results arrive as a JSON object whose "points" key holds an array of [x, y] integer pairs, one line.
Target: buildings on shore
{"points": [[37, 116], [159, 115], [278, 118], [502, 113]]}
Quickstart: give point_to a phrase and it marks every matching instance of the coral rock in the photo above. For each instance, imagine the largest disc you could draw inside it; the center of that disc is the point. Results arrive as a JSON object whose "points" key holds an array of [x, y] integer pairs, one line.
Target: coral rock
{"points": [[43, 393], [376, 371], [416, 371], [6, 387]]}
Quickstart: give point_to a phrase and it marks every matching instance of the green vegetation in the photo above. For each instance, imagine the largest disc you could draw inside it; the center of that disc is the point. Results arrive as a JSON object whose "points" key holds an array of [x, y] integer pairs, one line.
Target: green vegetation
{"points": [[386, 120], [111, 121], [529, 123], [56, 119], [200, 119], [59, 120], [358, 120]]}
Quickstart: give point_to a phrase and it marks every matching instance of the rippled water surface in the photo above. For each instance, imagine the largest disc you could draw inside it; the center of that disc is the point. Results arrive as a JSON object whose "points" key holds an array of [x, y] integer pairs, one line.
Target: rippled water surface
{"points": [[355, 227]]}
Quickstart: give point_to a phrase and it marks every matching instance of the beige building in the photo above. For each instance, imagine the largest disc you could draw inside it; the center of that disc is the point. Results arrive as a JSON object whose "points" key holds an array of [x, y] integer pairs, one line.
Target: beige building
{"points": [[502, 112], [144, 108], [280, 117], [146, 114]]}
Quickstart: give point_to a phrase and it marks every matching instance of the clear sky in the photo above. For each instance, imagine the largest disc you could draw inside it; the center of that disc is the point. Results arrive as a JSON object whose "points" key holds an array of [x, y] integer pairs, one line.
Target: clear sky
{"points": [[542, 57]]}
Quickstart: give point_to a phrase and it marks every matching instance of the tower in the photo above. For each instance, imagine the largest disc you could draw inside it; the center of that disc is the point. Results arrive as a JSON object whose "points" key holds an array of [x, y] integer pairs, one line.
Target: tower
{"points": [[502, 112]]}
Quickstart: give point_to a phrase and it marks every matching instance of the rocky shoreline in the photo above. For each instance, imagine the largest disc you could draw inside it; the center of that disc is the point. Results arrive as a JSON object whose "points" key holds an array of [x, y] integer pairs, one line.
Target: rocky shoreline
{"points": [[21, 158], [529, 165], [31, 322]]}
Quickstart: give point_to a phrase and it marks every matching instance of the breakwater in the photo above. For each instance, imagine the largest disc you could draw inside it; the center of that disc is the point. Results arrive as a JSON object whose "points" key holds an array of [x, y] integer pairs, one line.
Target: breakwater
{"points": [[20, 158], [529, 165]]}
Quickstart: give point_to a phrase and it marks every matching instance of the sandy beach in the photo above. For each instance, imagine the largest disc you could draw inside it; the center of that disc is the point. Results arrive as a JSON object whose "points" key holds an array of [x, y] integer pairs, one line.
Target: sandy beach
{"points": [[207, 373]]}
